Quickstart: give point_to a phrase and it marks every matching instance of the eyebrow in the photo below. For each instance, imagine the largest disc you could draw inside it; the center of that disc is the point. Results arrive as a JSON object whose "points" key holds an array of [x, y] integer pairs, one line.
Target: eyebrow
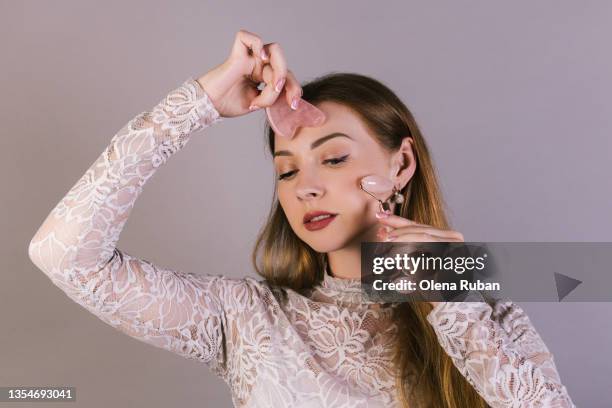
{"points": [[314, 144]]}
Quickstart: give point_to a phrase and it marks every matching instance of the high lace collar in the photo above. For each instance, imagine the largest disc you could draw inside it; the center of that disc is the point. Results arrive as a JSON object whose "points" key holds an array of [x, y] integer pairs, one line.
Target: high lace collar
{"points": [[344, 292]]}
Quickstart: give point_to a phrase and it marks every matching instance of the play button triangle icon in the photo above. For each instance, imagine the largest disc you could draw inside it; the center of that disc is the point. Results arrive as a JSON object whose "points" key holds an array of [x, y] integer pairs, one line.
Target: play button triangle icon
{"points": [[565, 285]]}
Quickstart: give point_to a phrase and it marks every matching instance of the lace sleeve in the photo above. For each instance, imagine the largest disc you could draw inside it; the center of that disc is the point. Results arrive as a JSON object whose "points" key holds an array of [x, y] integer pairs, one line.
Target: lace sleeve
{"points": [[499, 352], [75, 246]]}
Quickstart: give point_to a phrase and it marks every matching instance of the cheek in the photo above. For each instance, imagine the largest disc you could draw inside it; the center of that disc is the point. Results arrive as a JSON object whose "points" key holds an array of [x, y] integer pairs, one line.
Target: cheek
{"points": [[356, 206], [290, 206]]}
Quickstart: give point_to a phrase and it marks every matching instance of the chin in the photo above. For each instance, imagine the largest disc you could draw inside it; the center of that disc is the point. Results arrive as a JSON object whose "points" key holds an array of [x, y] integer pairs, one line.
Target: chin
{"points": [[322, 247], [326, 241]]}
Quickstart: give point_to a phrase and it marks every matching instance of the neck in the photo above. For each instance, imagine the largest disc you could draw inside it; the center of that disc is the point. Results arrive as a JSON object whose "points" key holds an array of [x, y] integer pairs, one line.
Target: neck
{"points": [[345, 263]]}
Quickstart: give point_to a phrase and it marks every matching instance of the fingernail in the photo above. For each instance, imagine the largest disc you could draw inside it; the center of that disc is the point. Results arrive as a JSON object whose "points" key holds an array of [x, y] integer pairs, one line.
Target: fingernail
{"points": [[264, 54], [253, 107], [279, 84], [381, 215], [294, 103]]}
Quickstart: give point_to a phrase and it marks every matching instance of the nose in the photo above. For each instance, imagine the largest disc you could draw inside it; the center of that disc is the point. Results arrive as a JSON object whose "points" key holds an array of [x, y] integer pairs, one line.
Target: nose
{"points": [[309, 187], [308, 193]]}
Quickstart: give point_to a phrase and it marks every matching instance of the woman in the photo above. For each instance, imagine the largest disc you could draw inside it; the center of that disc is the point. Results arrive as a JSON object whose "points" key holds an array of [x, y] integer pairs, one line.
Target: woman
{"points": [[303, 336]]}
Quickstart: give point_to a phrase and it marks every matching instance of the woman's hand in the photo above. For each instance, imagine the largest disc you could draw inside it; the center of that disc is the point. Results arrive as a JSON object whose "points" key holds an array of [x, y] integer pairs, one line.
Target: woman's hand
{"points": [[399, 229], [233, 85]]}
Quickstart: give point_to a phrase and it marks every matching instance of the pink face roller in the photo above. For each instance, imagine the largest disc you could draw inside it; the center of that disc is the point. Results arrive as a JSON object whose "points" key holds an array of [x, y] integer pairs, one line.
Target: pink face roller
{"points": [[382, 189], [285, 121]]}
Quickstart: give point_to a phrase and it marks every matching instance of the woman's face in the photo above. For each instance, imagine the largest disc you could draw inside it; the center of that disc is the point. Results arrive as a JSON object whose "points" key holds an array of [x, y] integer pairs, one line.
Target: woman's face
{"points": [[320, 170]]}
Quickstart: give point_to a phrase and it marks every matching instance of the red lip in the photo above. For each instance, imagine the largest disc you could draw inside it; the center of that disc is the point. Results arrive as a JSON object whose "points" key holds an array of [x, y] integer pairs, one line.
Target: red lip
{"points": [[310, 215], [317, 225]]}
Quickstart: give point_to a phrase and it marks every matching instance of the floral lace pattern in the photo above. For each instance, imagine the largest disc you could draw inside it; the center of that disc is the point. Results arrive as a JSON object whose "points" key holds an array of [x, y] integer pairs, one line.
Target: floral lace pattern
{"points": [[328, 347]]}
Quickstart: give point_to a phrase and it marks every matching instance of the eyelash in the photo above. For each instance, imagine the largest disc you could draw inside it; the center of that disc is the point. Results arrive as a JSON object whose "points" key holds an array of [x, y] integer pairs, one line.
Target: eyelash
{"points": [[337, 161]]}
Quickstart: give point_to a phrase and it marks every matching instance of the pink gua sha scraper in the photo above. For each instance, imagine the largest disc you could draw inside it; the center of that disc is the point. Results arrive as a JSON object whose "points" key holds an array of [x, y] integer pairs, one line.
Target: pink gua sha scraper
{"points": [[285, 121], [382, 189]]}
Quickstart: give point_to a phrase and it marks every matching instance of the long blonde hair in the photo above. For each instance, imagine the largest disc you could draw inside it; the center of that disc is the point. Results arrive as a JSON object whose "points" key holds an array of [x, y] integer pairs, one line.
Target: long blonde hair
{"points": [[287, 261]]}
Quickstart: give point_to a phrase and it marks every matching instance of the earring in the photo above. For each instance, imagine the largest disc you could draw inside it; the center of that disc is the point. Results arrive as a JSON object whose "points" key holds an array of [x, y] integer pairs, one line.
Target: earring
{"points": [[395, 197], [398, 198]]}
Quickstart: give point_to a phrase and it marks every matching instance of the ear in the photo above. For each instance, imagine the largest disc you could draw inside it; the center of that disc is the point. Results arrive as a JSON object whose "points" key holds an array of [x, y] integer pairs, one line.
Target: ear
{"points": [[404, 163]]}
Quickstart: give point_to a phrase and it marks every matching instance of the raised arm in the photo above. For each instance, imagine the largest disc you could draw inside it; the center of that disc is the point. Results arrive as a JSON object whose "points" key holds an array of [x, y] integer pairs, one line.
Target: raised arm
{"points": [[76, 245], [192, 315], [500, 353]]}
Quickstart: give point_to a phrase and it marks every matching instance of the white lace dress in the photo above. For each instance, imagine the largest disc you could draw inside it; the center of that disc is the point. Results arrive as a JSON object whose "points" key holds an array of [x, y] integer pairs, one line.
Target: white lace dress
{"points": [[272, 346]]}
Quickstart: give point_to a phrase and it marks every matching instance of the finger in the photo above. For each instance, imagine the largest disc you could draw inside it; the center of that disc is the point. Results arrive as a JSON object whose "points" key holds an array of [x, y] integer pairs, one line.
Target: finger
{"points": [[268, 95], [252, 45], [396, 221], [279, 65], [256, 74], [293, 90], [418, 237], [427, 230]]}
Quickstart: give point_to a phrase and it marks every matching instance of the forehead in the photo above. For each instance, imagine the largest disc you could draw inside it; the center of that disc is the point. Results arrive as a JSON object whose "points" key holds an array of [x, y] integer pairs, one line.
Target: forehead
{"points": [[339, 118]]}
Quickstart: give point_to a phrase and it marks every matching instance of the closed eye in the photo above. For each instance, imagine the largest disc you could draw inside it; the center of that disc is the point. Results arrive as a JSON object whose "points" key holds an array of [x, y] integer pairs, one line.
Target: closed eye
{"points": [[337, 160], [334, 162]]}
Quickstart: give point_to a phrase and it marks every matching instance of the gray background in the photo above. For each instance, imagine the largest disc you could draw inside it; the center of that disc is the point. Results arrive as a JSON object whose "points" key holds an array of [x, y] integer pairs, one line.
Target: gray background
{"points": [[513, 98]]}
